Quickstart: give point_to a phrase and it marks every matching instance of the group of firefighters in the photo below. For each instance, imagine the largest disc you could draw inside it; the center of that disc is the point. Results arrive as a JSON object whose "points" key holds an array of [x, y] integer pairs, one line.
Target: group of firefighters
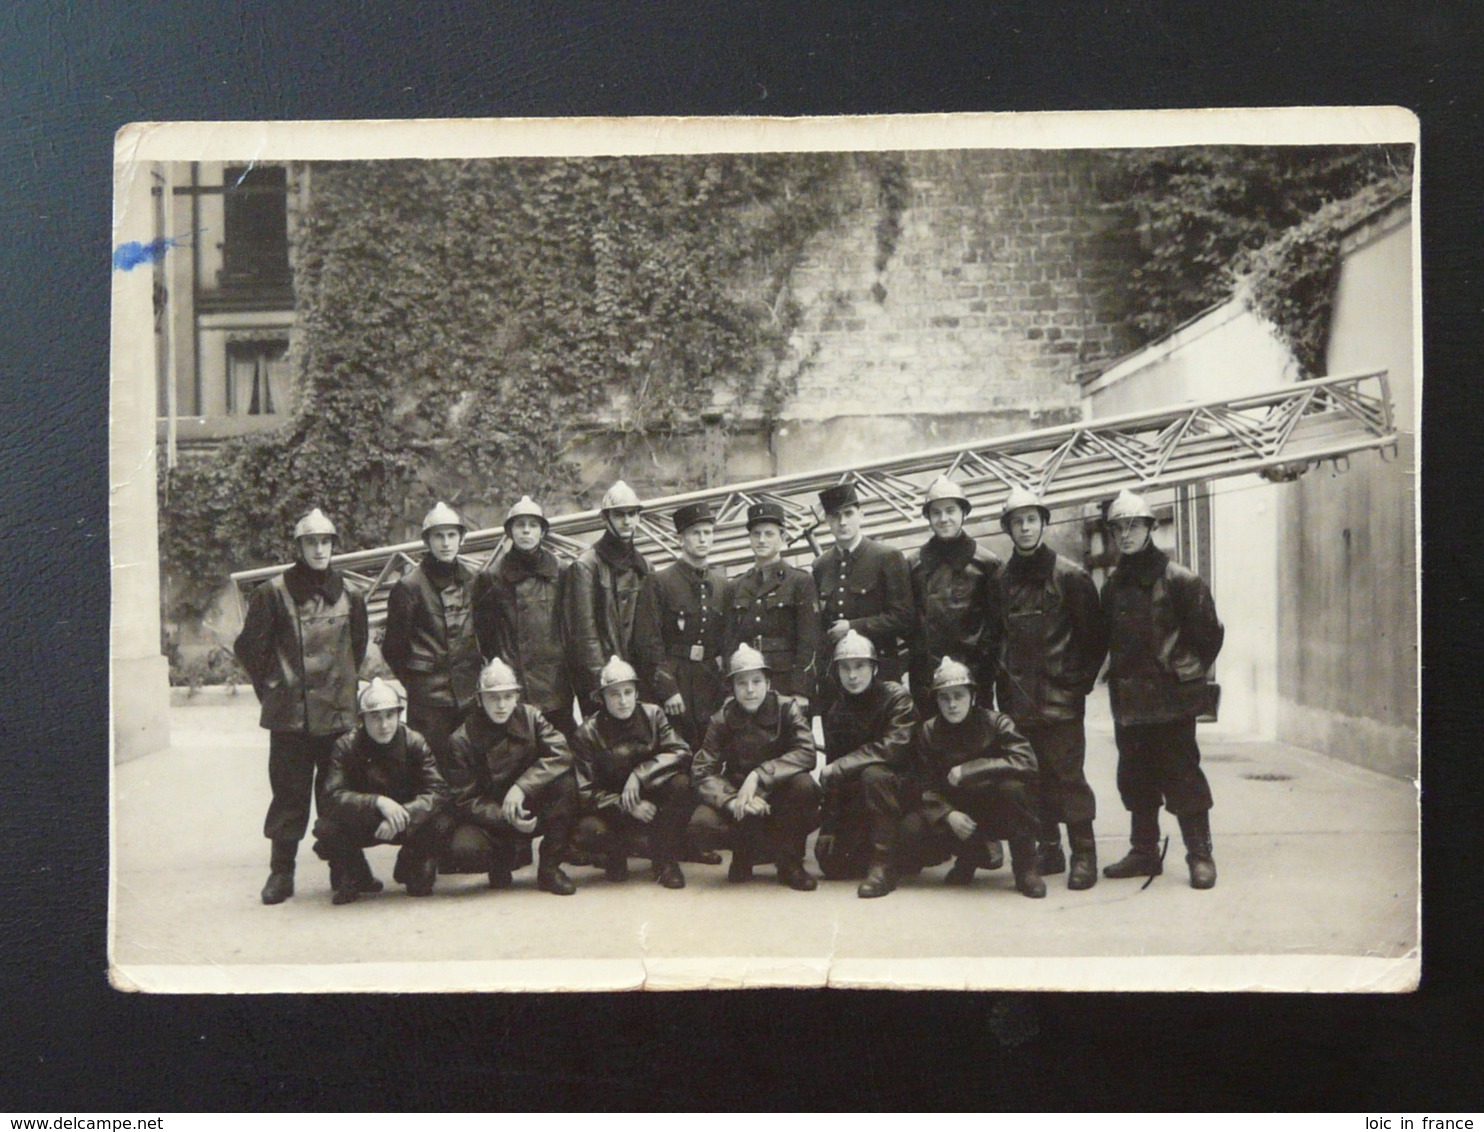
{"points": [[697, 694]]}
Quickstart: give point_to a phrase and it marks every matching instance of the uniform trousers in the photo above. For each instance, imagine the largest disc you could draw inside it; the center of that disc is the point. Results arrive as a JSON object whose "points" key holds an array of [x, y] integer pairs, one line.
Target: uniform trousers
{"points": [[436, 723], [297, 764], [1061, 752], [1003, 809], [493, 839], [777, 836], [340, 839], [1160, 762], [608, 831], [861, 814]]}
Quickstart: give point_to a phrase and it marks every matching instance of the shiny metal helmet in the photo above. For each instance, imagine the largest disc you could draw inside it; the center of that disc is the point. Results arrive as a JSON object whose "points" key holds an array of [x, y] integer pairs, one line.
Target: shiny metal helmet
{"points": [[526, 507], [616, 671], [377, 696], [1018, 498], [855, 646], [497, 676], [953, 674], [315, 523], [620, 497], [944, 488], [747, 659], [442, 515], [1127, 505]]}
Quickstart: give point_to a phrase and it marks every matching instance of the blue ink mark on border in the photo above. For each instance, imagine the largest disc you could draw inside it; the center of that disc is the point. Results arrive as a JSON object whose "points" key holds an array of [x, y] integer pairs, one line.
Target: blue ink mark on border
{"points": [[132, 253]]}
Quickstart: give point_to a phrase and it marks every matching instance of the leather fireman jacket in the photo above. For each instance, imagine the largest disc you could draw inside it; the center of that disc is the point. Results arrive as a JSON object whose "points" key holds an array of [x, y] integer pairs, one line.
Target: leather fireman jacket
{"points": [[873, 728], [605, 751], [1164, 637], [518, 617], [486, 759], [987, 746], [301, 644], [1053, 638], [602, 596], [777, 741], [430, 642], [362, 770], [957, 606]]}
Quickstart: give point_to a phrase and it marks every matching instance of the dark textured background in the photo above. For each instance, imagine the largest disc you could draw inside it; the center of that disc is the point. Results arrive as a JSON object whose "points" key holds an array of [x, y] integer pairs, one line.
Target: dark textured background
{"points": [[71, 74]]}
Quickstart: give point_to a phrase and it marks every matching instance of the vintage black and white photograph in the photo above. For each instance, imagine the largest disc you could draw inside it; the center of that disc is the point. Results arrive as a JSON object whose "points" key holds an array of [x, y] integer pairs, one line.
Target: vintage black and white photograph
{"points": [[957, 552]]}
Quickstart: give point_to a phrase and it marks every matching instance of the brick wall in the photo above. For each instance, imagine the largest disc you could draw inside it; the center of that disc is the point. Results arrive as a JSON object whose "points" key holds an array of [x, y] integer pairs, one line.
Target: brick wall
{"points": [[1004, 279]]}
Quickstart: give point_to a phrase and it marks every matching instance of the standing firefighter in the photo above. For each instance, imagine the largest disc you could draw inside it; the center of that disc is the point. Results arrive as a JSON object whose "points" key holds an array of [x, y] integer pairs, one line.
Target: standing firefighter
{"points": [[1165, 636], [775, 609], [430, 642], [633, 778], [863, 587], [302, 643], [867, 741], [956, 598], [511, 772], [1054, 642], [383, 788], [753, 777], [603, 592], [977, 777], [518, 614], [680, 625]]}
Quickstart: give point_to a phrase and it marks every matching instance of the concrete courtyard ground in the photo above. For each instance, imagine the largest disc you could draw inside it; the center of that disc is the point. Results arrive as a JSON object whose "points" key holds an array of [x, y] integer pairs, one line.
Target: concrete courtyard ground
{"points": [[1318, 890]]}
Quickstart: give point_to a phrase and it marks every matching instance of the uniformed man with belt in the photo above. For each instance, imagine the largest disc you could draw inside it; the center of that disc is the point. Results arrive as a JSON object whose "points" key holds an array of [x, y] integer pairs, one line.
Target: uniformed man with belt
{"points": [[302, 643], [602, 593], [1055, 639], [863, 586], [775, 608], [680, 626], [430, 641]]}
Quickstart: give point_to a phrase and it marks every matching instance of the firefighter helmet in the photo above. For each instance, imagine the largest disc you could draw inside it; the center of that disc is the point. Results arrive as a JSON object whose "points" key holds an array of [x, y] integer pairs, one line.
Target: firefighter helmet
{"points": [[1129, 506], [1018, 499], [526, 508], [952, 674], [442, 515], [855, 646], [616, 671], [620, 497], [378, 696], [497, 676], [747, 659], [315, 523], [944, 488]]}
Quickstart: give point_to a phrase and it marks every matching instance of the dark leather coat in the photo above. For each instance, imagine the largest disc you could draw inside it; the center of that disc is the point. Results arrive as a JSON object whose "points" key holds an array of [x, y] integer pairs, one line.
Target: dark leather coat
{"points": [[486, 759], [1164, 637], [1053, 638], [601, 601], [518, 617], [301, 644], [605, 751], [429, 641], [873, 728], [986, 744], [777, 741], [957, 604], [776, 611], [871, 589], [361, 770]]}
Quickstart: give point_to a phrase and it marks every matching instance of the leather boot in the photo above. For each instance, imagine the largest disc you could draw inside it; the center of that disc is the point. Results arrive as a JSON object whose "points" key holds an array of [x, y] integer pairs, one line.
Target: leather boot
{"points": [[881, 878], [616, 868], [994, 856], [667, 874], [962, 873], [1142, 859], [359, 871], [1196, 830], [1023, 856], [792, 874], [280, 884], [549, 874], [1049, 858], [421, 876], [1084, 872], [740, 870], [343, 888]]}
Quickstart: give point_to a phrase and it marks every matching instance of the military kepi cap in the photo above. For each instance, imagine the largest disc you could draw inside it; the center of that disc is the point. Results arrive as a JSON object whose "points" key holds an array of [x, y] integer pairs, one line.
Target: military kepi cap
{"points": [[764, 513], [692, 513], [832, 499]]}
